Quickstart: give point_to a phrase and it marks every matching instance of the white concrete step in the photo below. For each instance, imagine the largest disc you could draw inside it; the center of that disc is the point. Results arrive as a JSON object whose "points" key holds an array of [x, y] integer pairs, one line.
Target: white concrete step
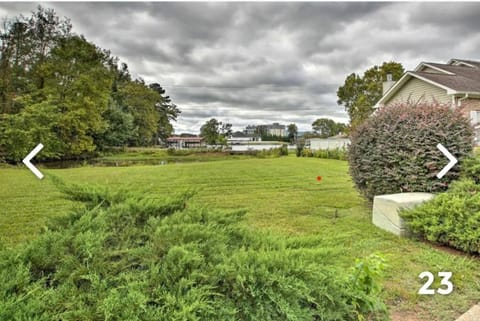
{"points": [[386, 208]]}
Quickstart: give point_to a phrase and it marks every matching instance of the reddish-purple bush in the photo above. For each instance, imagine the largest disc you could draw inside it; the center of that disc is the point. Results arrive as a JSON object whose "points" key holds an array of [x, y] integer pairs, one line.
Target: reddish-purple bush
{"points": [[395, 149]]}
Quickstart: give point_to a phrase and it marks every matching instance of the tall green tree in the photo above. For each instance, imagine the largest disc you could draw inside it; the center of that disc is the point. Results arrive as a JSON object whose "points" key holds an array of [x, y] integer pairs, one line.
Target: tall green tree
{"points": [[326, 127], [140, 101], [210, 131], [292, 132], [74, 92], [120, 127], [25, 44], [359, 94], [225, 129], [168, 112], [74, 97], [20, 132], [46, 32], [215, 132], [78, 84], [153, 112]]}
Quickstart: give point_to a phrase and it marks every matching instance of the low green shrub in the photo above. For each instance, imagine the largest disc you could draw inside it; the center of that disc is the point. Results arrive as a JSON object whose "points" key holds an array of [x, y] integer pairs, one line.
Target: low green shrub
{"points": [[266, 153], [470, 167], [331, 153], [395, 150], [192, 151], [299, 150], [365, 276], [307, 152], [133, 256], [451, 218]]}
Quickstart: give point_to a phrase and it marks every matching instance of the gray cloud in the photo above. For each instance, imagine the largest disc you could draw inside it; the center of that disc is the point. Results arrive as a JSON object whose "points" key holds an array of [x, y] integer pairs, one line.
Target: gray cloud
{"points": [[251, 63]]}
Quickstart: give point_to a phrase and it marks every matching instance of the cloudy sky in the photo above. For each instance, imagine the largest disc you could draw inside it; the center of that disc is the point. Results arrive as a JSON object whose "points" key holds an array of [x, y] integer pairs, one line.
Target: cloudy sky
{"points": [[253, 63]]}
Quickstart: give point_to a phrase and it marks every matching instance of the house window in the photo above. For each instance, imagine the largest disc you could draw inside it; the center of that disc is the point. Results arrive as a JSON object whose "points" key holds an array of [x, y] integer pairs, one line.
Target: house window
{"points": [[475, 116]]}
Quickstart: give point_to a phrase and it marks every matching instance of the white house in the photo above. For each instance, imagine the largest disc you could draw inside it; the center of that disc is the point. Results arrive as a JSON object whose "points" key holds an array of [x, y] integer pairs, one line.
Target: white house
{"points": [[456, 83]]}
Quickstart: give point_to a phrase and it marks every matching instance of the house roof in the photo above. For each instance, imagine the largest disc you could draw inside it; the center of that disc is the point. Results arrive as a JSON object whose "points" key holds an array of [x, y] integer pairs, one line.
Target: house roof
{"points": [[464, 62], [456, 77], [275, 126], [461, 81]]}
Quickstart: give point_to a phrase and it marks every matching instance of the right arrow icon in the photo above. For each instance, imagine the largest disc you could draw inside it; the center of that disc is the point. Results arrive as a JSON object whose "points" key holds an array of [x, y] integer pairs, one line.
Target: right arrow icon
{"points": [[450, 157]]}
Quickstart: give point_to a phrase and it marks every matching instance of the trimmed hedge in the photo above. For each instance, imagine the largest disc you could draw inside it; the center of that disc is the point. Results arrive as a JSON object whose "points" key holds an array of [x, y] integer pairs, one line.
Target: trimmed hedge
{"points": [[134, 256], [395, 149]]}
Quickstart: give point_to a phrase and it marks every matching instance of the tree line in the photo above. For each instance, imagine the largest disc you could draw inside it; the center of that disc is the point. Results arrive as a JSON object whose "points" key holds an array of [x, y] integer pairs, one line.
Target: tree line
{"points": [[216, 132], [58, 89]]}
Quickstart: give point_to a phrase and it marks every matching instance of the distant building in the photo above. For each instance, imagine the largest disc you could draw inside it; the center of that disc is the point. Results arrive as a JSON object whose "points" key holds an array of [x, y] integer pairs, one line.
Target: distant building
{"points": [[239, 138], [274, 129], [179, 142], [250, 130]]}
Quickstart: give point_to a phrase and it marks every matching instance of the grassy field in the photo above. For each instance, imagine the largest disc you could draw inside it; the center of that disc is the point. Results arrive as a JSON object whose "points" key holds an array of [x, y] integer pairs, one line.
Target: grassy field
{"points": [[281, 195]]}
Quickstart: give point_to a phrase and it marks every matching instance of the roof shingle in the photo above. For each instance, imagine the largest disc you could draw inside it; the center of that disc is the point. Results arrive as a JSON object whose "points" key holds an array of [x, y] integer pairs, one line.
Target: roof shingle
{"points": [[464, 78]]}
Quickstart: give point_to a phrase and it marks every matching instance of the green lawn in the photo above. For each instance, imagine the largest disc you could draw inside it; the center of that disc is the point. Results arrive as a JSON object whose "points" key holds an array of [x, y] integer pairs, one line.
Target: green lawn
{"points": [[281, 195]]}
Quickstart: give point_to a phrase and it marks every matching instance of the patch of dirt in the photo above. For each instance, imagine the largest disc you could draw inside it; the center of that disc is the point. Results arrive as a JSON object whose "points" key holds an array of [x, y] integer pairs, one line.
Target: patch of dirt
{"points": [[404, 316], [399, 312], [451, 250]]}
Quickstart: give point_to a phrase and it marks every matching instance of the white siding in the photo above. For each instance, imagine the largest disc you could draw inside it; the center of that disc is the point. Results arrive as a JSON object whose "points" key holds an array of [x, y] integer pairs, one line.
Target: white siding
{"points": [[419, 91]]}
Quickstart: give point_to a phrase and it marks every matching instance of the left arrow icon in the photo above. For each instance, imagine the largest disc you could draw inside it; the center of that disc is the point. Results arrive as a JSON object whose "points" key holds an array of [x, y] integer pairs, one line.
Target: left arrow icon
{"points": [[29, 157]]}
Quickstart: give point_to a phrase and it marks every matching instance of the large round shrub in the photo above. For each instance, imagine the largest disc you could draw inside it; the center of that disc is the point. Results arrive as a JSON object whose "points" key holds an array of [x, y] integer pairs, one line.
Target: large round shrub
{"points": [[395, 150]]}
